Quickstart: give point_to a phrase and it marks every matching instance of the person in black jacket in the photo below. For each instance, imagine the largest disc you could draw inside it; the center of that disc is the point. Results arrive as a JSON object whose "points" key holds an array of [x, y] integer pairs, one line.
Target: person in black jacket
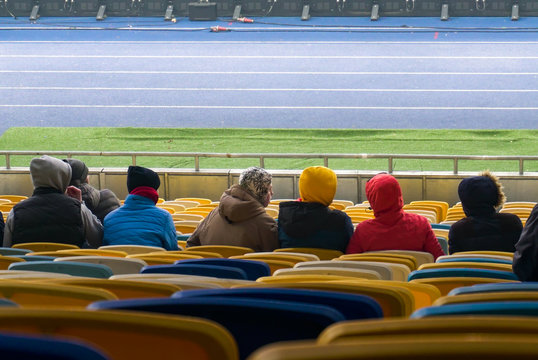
{"points": [[525, 264], [483, 228], [54, 212], [100, 202]]}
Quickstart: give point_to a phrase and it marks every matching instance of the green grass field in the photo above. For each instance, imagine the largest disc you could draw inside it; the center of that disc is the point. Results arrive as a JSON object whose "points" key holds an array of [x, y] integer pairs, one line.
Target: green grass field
{"points": [[445, 142]]}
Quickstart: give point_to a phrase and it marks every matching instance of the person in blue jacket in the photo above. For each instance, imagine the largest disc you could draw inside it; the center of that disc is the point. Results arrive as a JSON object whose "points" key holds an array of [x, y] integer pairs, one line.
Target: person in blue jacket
{"points": [[139, 221]]}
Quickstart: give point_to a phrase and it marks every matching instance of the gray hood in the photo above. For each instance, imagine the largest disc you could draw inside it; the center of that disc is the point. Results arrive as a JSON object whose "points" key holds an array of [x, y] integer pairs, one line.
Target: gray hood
{"points": [[50, 172]]}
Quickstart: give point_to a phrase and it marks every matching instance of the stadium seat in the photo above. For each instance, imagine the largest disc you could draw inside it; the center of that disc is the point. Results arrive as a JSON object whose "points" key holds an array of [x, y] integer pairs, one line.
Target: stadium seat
{"points": [[39, 293], [497, 287], [123, 289], [322, 254], [132, 249], [327, 270], [352, 306], [447, 284], [253, 269], [421, 257], [467, 265], [23, 346], [5, 261], [224, 250], [401, 347], [253, 322], [227, 272], [515, 308], [65, 267], [472, 258], [384, 270], [6, 251], [487, 297], [127, 335], [409, 261], [118, 265], [456, 324], [44, 246], [461, 272]]}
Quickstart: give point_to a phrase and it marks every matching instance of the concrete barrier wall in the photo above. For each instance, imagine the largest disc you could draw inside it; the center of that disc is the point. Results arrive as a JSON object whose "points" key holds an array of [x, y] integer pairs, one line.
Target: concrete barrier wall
{"points": [[177, 183]]}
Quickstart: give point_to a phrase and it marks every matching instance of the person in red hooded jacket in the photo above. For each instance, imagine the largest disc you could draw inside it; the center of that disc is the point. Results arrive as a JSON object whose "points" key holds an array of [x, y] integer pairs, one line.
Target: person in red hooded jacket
{"points": [[392, 228]]}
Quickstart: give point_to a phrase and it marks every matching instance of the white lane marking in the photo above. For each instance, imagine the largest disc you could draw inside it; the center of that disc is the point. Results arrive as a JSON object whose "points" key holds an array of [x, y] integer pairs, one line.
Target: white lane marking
{"points": [[72, 88], [287, 57], [202, 42], [260, 72], [267, 107]]}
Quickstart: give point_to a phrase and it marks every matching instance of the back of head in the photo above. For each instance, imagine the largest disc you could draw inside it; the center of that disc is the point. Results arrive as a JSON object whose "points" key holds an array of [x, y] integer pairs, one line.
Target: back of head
{"points": [[50, 172], [79, 171], [257, 182], [140, 176], [317, 184], [480, 195], [384, 194]]}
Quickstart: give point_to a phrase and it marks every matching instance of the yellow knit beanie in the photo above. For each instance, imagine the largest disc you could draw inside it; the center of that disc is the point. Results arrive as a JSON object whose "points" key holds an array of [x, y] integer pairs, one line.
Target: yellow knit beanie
{"points": [[317, 184]]}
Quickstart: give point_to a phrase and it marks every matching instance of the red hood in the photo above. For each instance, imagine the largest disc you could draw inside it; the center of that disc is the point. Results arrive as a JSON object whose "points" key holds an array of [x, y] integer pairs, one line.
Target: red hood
{"points": [[385, 196]]}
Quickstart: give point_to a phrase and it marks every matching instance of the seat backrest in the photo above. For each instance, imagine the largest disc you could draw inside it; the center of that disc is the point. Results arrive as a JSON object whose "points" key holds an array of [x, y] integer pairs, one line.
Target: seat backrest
{"points": [[132, 249], [39, 293], [352, 306], [224, 250], [322, 254], [253, 269], [462, 272], [66, 267], [471, 258], [455, 324], [6, 251], [421, 257], [194, 269], [447, 284], [128, 336], [497, 287], [23, 346], [384, 270], [117, 265], [488, 297], [516, 308], [44, 246], [327, 270], [467, 265], [253, 322]]}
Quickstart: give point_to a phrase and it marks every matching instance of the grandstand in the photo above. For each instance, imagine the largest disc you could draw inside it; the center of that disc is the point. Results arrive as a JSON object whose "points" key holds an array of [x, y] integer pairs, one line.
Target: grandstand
{"points": [[454, 64]]}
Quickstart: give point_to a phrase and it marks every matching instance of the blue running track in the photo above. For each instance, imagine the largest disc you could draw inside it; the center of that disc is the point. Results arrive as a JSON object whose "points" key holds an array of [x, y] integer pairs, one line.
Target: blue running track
{"points": [[468, 73]]}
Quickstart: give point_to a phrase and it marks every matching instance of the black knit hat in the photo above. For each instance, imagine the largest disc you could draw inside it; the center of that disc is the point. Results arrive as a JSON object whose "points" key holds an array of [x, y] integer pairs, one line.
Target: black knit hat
{"points": [[79, 171], [479, 195], [141, 176]]}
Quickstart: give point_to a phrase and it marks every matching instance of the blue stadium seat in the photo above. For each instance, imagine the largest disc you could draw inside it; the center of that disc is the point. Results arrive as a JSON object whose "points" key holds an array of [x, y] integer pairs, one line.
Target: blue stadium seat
{"points": [[461, 272], [65, 267], [252, 322], [484, 260], [516, 308], [224, 272], [35, 257], [7, 251], [441, 226], [253, 269], [496, 287], [27, 347], [352, 306], [7, 302]]}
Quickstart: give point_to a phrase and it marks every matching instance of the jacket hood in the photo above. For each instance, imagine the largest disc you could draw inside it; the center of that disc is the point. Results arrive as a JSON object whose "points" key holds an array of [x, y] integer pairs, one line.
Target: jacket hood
{"points": [[317, 184], [238, 205], [301, 219], [385, 195], [50, 172], [480, 195]]}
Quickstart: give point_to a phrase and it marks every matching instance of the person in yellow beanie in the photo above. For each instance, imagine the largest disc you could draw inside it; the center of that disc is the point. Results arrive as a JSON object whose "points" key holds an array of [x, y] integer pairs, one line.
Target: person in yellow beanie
{"points": [[309, 222]]}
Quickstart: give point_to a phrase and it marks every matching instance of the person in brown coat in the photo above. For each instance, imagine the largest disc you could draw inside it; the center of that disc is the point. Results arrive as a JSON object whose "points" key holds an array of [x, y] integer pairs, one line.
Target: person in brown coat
{"points": [[241, 219]]}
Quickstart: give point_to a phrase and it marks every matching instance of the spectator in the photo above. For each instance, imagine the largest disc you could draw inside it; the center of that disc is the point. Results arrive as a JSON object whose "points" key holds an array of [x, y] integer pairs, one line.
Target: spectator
{"points": [[139, 221], [2, 227], [392, 228], [310, 222], [241, 219], [483, 228], [54, 212], [99, 202], [525, 264]]}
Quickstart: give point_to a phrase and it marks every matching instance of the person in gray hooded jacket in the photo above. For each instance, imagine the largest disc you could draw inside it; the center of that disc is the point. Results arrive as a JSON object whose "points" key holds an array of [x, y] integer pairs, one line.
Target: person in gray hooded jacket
{"points": [[54, 212]]}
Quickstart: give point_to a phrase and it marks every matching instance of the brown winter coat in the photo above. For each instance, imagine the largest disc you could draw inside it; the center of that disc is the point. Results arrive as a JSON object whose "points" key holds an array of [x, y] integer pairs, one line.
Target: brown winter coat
{"points": [[239, 220]]}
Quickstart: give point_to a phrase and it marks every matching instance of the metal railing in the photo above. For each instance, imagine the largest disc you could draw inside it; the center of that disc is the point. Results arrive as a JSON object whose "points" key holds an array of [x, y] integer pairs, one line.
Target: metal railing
{"points": [[263, 156]]}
